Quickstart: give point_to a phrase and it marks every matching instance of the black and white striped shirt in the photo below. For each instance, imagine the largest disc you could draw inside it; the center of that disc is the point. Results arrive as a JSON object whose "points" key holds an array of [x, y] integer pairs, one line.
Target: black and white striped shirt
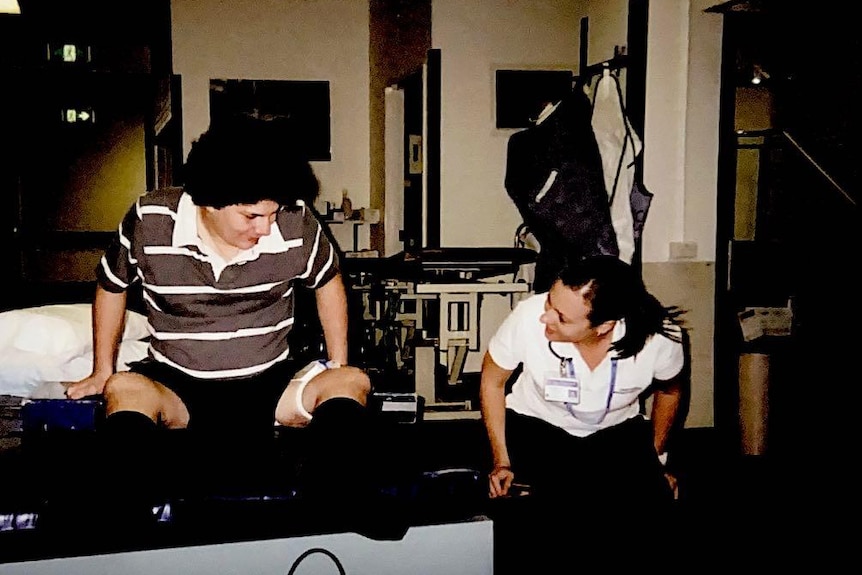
{"points": [[209, 318]]}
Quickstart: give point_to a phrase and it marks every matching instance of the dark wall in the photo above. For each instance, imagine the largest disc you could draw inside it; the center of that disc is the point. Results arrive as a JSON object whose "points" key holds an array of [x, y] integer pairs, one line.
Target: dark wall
{"points": [[807, 243], [64, 184]]}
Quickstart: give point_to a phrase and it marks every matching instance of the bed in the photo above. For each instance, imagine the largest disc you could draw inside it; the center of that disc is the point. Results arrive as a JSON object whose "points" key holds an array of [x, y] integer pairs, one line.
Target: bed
{"points": [[239, 495], [46, 338]]}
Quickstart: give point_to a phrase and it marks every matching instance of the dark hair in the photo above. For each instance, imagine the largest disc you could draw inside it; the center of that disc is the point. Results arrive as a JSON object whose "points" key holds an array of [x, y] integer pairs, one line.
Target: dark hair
{"points": [[616, 291], [245, 160]]}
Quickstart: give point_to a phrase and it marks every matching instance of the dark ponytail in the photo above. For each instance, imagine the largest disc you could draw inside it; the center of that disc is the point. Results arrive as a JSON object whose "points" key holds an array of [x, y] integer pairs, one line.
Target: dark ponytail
{"points": [[615, 291]]}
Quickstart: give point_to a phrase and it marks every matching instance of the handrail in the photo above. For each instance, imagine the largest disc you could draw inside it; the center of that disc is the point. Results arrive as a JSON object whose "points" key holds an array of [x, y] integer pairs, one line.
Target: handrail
{"points": [[814, 163]]}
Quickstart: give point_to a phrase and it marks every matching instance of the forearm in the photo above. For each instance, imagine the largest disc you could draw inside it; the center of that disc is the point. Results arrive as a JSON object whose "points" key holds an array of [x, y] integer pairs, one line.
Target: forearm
{"points": [[665, 408], [332, 311], [493, 402], [109, 316]]}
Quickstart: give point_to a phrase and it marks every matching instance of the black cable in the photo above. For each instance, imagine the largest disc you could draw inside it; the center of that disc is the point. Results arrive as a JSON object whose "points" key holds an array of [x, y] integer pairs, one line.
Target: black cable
{"points": [[312, 551]]}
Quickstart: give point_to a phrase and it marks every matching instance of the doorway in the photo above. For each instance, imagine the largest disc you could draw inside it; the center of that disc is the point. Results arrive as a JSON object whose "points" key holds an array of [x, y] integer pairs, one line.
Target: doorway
{"points": [[413, 159]]}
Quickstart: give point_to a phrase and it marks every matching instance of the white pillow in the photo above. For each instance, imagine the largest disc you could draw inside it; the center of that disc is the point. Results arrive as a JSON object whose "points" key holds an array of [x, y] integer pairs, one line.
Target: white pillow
{"points": [[21, 372], [63, 330]]}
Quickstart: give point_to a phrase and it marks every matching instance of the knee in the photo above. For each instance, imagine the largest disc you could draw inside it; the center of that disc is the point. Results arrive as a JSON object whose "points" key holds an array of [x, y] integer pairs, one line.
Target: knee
{"points": [[349, 382], [297, 403], [122, 384], [357, 383]]}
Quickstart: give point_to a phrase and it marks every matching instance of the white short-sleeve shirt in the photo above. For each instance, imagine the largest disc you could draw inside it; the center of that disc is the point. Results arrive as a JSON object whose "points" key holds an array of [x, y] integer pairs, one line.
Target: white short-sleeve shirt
{"points": [[521, 339]]}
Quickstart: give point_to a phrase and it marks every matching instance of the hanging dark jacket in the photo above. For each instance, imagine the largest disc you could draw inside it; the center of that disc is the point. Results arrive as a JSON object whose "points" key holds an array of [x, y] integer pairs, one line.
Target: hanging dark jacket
{"points": [[554, 176]]}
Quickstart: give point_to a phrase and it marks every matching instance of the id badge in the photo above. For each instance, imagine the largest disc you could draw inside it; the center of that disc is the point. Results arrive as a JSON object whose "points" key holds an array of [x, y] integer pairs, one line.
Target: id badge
{"points": [[562, 389]]}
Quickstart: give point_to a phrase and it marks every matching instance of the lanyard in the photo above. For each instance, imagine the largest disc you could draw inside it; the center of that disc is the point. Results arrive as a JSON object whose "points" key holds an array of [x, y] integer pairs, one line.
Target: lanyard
{"points": [[567, 369]]}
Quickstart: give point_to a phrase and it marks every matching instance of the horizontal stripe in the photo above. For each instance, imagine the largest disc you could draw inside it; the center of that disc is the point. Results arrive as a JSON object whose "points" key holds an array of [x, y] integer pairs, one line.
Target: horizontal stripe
{"points": [[203, 289], [224, 335], [120, 283], [149, 300], [313, 255], [124, 241], [223, 373], [322, 273], [266, 248], [151, 209], [175, 251]]}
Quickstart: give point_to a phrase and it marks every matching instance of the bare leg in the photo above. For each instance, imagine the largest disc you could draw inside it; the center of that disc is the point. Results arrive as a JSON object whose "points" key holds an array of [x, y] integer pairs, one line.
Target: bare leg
{"points": [[128, 391]]}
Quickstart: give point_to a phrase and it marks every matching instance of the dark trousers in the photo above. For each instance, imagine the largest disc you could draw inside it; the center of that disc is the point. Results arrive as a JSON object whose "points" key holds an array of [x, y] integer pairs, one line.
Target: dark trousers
{"points": [[612, 468], [599, 500]]}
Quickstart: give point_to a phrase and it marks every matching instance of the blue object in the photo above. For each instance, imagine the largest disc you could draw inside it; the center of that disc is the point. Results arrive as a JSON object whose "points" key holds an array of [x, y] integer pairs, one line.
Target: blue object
{"points": [[62, 414]]}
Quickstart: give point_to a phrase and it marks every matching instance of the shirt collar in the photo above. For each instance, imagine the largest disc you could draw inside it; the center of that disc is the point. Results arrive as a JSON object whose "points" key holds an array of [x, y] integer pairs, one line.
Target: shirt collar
{"points": [[186, 231], [186, 227]]}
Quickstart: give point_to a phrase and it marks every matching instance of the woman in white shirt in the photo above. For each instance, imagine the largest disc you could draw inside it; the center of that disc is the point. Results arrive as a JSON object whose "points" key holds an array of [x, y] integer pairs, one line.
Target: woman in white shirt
{"points": [[590, 351]]}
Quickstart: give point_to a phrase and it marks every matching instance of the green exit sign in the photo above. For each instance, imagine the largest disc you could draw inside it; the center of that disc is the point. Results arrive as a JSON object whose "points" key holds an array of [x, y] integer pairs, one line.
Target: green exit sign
{"points": [[69, 53], [77, 116]]}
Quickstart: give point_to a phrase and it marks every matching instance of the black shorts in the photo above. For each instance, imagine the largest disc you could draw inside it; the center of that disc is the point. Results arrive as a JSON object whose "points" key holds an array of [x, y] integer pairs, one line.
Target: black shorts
{"points": [[234, 405]]}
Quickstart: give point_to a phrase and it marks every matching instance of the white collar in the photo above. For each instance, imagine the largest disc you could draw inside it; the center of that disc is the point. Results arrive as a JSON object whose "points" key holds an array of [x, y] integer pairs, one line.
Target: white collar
{"points": [[186, 227], [186, 232]]}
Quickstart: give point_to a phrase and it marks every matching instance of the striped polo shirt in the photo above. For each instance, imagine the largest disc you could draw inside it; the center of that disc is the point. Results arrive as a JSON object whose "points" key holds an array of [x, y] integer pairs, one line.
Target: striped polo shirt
{"points": [[209, 318]]}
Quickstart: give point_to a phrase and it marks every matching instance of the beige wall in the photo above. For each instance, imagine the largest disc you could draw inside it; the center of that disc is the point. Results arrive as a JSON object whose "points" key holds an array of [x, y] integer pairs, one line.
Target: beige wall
{"points": [[475, 39], [680, 140], [690, 286], [680, 169], [283, 40], [701, 129], [328, 40]]}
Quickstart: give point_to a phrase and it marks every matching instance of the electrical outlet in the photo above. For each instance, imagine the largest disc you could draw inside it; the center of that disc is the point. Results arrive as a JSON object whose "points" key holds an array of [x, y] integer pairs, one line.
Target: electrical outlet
{"points": [[683, 250]]}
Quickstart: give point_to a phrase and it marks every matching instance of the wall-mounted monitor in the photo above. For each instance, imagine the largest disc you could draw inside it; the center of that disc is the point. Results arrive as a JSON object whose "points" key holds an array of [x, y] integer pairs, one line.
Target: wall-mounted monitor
{"points": [[301, 105], [522, 94]]}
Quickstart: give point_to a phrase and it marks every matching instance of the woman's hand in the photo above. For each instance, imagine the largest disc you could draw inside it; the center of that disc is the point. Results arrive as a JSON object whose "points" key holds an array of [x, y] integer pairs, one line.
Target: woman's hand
{"points": [[674, 484], [499, 481]]}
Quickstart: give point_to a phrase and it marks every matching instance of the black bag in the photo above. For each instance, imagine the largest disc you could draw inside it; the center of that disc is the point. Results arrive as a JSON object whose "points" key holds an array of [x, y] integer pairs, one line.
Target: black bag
{"points": [[554, 175]]}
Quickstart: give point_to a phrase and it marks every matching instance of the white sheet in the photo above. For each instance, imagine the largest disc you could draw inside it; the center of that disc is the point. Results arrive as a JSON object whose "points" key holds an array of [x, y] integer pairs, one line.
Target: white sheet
{"points": [[54, 343], [23, 371]]}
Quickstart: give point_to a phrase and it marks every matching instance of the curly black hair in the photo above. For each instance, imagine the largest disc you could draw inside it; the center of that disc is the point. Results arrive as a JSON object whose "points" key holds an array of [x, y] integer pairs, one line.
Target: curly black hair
{"points": [[245, 160], [616, 291]]}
